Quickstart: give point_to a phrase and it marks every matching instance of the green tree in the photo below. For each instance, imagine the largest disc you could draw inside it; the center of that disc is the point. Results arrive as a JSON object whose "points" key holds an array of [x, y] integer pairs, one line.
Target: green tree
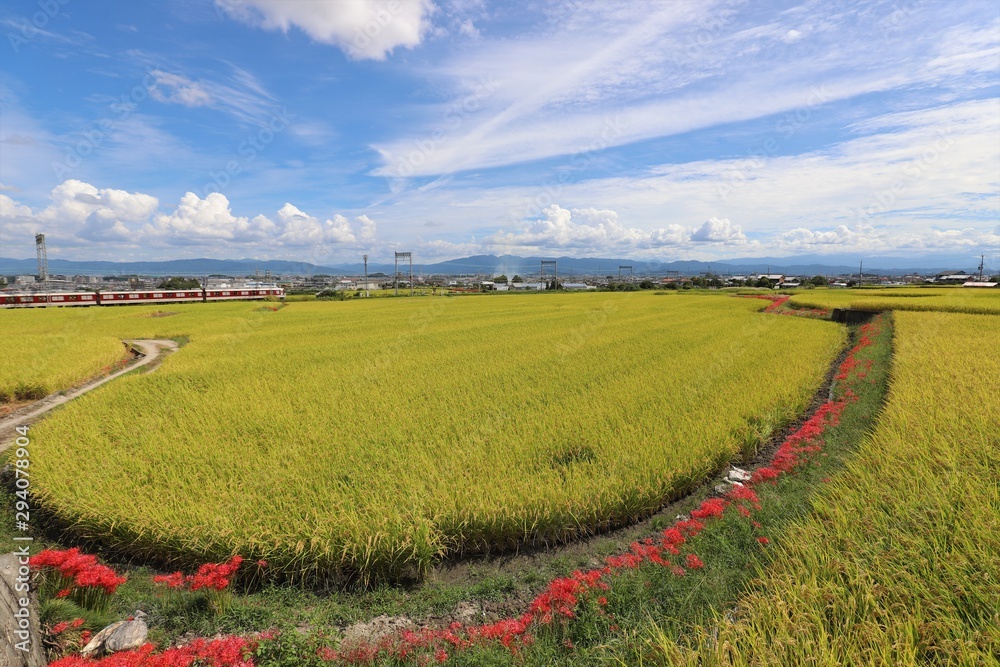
{"points": [[176, 282], [517, 279], [501, 279], [819, 281]]}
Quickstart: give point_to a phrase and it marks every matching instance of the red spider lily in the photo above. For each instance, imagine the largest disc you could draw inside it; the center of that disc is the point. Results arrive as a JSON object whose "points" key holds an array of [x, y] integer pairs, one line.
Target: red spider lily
{"points": [[711, 508], [69, 573], [175, 580], [693, 562], [222, 652], [744, 493], [215, 576]]}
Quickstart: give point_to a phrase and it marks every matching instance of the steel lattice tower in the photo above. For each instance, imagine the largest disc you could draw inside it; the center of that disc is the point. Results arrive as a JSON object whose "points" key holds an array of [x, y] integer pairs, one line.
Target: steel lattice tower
{"points": [[43, 258]]}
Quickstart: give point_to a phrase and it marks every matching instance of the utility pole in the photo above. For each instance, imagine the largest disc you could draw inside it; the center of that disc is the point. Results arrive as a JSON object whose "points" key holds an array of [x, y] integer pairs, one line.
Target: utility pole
{"points": [[366, 276], [982, 258], [861, 273]]}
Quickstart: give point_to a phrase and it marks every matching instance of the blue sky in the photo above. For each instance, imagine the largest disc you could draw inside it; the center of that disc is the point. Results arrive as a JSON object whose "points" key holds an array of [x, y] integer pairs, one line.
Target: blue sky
{"points": [[319, 130]]}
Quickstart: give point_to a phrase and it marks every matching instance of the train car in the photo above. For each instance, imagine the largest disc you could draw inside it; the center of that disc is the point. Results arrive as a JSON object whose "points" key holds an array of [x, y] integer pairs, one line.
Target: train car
{"points": [[47, 299], [131, 298], [137, 297], [243, 293]]}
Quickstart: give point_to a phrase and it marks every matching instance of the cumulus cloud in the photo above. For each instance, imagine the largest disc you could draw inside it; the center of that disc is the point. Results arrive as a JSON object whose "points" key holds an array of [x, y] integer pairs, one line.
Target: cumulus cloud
{"points": [[363, 29], [588, 230], [81, 214], [800, 236], [718, 230], [11, 210], [870, 239], [299, 229], [82, 210], [196, 221]]}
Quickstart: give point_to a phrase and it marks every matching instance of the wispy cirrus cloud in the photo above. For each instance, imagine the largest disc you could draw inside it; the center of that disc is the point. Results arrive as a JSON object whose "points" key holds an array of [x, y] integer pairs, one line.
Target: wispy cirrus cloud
{"points": [[661, 69], [239, 95]]}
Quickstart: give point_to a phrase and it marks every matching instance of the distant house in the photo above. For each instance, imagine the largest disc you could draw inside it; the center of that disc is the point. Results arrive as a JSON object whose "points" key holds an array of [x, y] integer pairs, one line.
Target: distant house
{"points": [[578, 286], [958, 278]]}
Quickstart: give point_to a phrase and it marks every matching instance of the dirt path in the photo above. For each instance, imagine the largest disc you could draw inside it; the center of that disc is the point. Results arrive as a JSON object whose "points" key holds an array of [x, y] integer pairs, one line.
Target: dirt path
{"points": [[147, 352]]}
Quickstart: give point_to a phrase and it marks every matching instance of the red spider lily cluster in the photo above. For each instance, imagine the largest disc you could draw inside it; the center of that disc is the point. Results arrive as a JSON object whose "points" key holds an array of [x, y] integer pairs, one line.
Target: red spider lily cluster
{"points": [[222, 652], [561, 600], [60, 628], [210, 576], [76, 572], [852, 364], [777, 302]]}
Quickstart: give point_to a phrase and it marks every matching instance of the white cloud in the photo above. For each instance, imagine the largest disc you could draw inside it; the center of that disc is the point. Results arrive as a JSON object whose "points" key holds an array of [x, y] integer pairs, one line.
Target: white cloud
{"points": [[718, 230], [197, 221], [587, 230], [81, 211], [81, 214], [10, 209], [363, 29], [299, 229], [239, 94], [178, 89]]}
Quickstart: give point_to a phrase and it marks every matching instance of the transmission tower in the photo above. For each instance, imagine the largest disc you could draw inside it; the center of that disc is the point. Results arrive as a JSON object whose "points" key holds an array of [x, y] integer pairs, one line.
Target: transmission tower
{"points": [[624, 266], [43, 259], [550, 263], [407, 256]]}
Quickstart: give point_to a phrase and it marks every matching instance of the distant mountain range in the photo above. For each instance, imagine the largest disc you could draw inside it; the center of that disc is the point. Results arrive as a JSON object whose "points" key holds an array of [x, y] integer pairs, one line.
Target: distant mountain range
{"points": [[512, 264]]}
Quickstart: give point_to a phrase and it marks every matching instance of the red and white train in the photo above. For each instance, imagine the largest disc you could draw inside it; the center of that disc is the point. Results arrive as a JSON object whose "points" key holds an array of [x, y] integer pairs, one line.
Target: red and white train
{"points": [[128, 298]]}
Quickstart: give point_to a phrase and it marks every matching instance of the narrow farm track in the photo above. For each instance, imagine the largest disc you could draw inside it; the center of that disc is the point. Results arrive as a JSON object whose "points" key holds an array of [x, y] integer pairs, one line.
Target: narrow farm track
{"points": [[147, 351]]}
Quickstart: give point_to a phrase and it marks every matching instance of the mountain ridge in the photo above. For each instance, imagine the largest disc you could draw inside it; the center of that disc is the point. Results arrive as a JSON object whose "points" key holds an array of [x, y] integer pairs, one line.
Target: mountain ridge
{"points": [[511, 264]]}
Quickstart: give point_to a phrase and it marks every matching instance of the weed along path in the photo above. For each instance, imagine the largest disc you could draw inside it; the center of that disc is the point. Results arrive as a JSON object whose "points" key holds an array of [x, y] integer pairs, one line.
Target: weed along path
{"points": [[146, 352]]}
